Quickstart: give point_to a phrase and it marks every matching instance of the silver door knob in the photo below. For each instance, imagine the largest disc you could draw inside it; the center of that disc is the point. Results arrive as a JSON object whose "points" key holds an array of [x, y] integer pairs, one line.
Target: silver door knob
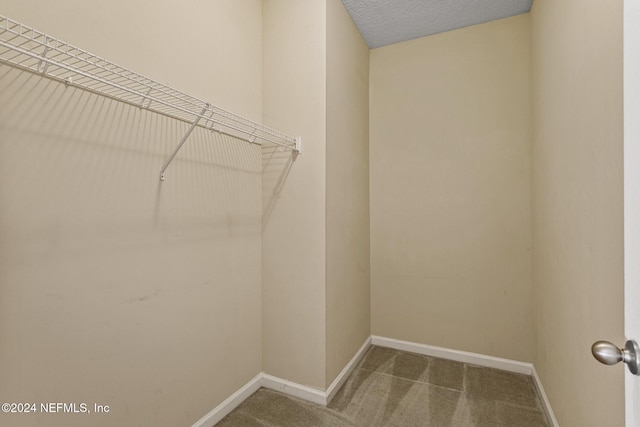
{"points": [[607, 353]]}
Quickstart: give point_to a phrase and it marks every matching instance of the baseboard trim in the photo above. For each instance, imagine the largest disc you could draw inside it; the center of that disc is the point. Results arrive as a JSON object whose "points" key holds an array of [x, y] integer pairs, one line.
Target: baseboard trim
{"points": [[315, 395], [473, 358], [230, 403], [294, 389], [348, 369], [545, 399], [456, 355], [284, 386], [324, 397]]}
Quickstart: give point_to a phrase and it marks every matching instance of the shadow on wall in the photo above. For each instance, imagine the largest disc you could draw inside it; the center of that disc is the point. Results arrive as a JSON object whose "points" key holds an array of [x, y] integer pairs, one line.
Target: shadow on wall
{"points": [[92, 159], [276, 165], [131, 292]]}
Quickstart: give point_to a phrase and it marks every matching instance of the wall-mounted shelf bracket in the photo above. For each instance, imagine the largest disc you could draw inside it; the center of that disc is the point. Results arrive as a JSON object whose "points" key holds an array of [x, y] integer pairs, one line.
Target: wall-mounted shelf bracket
{"points": [[184, 139], [43, 64], [145, 98]]}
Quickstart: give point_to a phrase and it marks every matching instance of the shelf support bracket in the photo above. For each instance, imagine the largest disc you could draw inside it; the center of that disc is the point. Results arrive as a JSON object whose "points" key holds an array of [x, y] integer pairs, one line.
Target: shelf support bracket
{"points": [[298, 145], [146, 96], [210, 119], [252, 137], [47, 48], [184, 139]]}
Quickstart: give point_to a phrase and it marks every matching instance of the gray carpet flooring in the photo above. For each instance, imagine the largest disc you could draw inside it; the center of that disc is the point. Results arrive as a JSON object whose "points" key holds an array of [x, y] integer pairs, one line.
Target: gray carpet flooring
{"points": [[395, 388]]}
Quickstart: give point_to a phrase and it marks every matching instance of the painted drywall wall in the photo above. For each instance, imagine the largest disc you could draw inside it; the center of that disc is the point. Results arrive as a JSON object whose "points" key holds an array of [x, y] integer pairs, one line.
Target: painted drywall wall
{"points": [[294, 192], [450, 190], [578, 205], [116, 289], [347, 210]]}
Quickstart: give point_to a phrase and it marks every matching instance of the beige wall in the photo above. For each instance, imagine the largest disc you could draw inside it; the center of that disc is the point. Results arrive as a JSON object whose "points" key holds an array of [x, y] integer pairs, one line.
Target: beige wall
{"points": [[116, 289], [315, 206], [147, 297], [294, 192], [450, 190], [152, 291], [578, 205], [347, 230]]}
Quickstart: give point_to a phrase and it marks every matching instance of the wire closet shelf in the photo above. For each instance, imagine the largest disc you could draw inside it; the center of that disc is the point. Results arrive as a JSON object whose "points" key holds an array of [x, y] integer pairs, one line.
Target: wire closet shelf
{"points": [[34, 51]]}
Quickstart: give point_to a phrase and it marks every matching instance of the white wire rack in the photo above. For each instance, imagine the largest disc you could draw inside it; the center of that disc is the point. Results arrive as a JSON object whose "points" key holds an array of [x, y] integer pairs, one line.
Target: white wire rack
{"points": [[34, 51]]}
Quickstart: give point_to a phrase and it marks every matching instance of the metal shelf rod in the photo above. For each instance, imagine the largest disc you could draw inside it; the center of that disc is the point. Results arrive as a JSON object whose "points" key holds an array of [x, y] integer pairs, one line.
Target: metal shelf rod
{"points": [[211, 128], [36, 52], [90, 76]]}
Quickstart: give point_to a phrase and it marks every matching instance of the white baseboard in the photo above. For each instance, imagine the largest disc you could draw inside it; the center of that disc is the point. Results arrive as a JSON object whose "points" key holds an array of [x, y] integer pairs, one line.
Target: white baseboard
{"points": [[348, 369], [294, 389], [311, 394], [230, 403], [324, 397], [473, 358], [545, 399], [284, 386], [456, 355]]}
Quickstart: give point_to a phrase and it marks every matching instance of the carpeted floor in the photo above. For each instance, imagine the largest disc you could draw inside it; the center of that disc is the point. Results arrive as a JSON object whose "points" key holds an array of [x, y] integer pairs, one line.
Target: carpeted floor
{"points": [[394, 388]]}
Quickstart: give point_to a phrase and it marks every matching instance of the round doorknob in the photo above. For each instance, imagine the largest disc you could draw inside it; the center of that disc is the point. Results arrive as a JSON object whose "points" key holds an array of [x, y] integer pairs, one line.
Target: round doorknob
{"points": [[609, 354]]}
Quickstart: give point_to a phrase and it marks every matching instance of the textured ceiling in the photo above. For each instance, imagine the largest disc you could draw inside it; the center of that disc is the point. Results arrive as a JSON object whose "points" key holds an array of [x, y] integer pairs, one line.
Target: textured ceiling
{"points": [[383, 22]]}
